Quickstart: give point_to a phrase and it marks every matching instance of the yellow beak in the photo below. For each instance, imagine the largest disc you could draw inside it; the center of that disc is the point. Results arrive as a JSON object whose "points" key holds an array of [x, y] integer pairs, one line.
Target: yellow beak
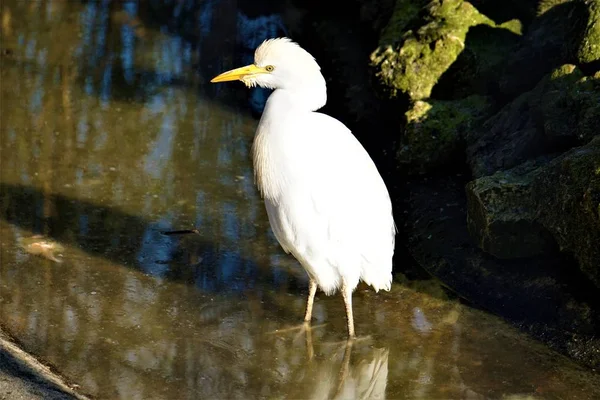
{"points": [[239, 73]]}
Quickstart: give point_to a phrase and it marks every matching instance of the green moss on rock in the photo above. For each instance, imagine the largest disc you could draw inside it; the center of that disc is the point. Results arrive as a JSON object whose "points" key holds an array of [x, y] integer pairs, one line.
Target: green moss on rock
{"points": [[568, 104], [561, 111], [567, 195], [551, 40], [514, 25], [513, 213], [545, 5], [501, 213], [404, 13], [425, 53], [475, 71], [589, 49], [435, 131]]}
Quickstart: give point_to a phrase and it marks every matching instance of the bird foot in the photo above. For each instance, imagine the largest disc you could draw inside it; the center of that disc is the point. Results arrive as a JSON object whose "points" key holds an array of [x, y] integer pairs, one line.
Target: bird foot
{"points": [[306, 331], [349, 341], [303, 328]]}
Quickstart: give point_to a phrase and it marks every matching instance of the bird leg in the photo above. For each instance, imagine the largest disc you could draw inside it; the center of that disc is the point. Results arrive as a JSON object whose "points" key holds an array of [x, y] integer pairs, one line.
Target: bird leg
{"points": [[306, 326], [312, 290], [351, 339], [347, 293]]}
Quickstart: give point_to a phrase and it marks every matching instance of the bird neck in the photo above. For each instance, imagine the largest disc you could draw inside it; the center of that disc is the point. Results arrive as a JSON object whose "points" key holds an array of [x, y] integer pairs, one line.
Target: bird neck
{"points": [[309, 96]]}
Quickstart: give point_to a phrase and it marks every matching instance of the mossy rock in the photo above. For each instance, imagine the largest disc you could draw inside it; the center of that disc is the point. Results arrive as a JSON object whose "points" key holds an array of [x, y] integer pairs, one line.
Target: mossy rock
{"points": [[567, 103], [377, 13], [567, 194], [589, 48], [551, 40], [436, 129], [545, 5], [411, 60], [562, 111], [521, 212], [476, 68], [502, 11], [501, 213], [404, 16]]}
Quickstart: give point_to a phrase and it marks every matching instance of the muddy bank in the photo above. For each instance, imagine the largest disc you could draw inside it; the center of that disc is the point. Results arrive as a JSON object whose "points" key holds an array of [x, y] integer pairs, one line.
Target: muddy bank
{"points": [[24, 377]]}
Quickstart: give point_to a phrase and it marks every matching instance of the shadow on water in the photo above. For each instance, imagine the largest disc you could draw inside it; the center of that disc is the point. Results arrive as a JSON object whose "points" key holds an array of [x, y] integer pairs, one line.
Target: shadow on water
{"points": [[129, 240]]}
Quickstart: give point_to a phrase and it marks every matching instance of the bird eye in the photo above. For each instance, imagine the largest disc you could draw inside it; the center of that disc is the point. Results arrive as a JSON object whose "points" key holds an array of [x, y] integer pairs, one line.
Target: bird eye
{"points": [[269, 68]]}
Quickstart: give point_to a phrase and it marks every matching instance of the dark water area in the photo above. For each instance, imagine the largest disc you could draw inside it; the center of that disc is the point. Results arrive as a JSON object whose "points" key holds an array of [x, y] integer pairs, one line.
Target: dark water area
{"points": [[111, 134]]}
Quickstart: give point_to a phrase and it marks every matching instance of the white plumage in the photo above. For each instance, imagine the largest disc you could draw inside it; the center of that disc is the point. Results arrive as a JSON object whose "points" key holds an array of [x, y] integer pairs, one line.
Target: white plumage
{"points": [[327, 203]]}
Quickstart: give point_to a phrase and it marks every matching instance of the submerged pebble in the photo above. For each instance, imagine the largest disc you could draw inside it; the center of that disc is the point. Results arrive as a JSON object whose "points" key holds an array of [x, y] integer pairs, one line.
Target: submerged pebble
{"points": [[42, 246]]}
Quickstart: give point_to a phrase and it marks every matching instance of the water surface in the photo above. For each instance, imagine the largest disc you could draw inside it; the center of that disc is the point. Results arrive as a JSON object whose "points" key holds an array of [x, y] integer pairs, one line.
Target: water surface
{"points": [[111, 134]]}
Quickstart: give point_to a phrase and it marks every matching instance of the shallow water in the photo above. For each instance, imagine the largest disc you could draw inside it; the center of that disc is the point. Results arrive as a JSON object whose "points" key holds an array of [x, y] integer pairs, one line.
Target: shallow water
{"points": [[110, 135]]}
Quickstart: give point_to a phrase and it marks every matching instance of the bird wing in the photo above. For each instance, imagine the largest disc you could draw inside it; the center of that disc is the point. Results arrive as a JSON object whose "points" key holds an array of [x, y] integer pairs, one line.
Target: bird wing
{"points": [[331, 201]]}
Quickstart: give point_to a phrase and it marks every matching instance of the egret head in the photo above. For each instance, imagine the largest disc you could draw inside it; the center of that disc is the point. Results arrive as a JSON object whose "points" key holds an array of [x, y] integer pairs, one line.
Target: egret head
{"points": [[282, 64]]}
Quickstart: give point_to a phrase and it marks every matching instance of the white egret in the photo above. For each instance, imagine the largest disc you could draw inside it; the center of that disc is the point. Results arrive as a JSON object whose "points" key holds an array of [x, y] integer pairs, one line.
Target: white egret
{"points": [[326, 201]]}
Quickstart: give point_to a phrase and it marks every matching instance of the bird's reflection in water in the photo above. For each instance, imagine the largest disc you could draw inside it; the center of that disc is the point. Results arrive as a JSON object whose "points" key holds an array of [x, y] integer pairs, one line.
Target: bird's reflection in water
{"points": [[344, 371]]}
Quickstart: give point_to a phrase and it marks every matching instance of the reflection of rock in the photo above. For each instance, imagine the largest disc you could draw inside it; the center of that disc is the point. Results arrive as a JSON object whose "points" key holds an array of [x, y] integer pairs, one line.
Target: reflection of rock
{"points": [[486, 378]]}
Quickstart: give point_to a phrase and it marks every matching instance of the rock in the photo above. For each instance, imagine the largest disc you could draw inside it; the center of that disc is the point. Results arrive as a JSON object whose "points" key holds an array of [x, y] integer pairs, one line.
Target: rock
{"points": [[22, 376], [42, 246], [405, 12], [435, 131], [501, 217], [551, 40], [476, 68], [545, 5], [589, 48], [546, 296], [375, 13], [562, 111], [501, 11], [567, 195], [568, 105], [415, 65], [525, 210]]}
